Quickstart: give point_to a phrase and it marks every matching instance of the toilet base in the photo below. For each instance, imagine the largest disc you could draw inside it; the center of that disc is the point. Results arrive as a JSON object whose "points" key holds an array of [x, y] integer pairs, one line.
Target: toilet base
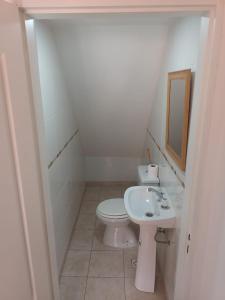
{"points": [[119, 236]]}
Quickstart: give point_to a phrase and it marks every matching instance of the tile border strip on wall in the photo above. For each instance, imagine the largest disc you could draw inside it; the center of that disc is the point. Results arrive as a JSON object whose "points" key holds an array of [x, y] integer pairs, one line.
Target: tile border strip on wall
{"points": [[165, 157], [63, 148]]}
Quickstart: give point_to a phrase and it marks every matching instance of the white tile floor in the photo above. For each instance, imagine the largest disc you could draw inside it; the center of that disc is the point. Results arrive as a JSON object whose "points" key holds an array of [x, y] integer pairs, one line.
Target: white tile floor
{"points": [[93, 271]]}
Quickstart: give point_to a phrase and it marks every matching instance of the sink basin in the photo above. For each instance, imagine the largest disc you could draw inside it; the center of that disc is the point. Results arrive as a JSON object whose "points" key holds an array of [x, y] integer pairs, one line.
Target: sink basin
{"points": [[150, 208], [144, 207]]}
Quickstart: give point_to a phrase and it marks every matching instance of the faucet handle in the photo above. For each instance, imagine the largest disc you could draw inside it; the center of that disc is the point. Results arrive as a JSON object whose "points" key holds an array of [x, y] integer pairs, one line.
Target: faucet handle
{"points": [[162, 197]]}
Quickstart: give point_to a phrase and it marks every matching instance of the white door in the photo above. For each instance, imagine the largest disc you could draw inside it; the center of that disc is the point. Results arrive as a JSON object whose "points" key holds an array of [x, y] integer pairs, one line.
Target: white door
{"points": [[25, 272], [204, 260]]}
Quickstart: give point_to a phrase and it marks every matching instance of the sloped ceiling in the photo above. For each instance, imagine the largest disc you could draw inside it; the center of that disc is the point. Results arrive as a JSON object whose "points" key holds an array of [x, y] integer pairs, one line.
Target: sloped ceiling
{"points": [[111, 65]]}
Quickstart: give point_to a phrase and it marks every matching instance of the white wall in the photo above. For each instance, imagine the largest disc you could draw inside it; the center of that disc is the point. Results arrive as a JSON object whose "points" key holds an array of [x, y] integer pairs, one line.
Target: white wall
{"points": [[64, 156], [111, 168], [112, 67], [182, 53]]}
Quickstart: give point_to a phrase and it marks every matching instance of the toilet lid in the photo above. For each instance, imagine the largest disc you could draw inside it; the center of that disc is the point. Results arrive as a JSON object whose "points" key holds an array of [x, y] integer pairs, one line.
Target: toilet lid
{"points": [[112, 207]]}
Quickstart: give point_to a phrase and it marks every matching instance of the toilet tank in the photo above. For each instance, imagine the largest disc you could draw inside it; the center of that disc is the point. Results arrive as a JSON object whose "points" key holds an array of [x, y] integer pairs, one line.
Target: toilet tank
{"points": [[144, 178]]}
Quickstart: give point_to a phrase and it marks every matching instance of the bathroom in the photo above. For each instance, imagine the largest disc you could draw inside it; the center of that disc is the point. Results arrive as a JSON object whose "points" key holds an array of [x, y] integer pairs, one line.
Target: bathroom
{"points": [[100, 89]]}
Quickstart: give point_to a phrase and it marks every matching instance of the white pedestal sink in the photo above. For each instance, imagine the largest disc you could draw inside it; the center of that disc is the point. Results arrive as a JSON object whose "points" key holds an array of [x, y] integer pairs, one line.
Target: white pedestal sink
{"points": [[144, 206]]}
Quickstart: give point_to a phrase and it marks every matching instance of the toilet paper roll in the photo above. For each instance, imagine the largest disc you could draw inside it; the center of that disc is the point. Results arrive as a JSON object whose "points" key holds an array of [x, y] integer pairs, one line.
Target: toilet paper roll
{"points": [[153, 170]]}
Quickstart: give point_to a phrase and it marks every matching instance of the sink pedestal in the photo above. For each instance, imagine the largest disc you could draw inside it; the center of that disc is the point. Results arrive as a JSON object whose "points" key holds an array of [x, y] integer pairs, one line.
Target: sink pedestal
{"points": [[143, 208], [146, 261]]}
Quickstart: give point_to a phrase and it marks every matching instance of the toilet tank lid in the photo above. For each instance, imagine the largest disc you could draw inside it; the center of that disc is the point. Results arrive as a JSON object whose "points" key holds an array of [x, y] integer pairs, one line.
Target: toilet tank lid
{"points": [[144, 177]]}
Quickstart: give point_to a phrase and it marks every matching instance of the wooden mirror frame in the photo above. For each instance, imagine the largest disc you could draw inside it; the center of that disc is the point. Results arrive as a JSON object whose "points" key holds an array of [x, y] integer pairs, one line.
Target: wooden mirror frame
{"points": [[186, 75]]}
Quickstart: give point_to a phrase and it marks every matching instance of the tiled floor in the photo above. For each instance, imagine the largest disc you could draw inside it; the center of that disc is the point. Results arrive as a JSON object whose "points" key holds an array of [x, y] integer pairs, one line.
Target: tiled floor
{"points": [[93, 271]]}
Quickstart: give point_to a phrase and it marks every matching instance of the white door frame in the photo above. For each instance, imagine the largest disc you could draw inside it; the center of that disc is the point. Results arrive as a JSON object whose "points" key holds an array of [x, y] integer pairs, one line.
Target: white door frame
{"points": [[24, 237], [38, 115], [197, 157]]}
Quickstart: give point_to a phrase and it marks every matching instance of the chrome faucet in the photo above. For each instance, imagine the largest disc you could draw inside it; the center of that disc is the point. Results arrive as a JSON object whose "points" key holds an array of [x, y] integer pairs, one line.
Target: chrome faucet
{"points": [[160, 194]]}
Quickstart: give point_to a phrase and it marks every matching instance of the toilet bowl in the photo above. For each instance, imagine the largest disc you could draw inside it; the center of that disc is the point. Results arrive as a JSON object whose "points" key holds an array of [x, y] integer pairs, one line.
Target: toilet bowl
{"points": [[117, 233], [113, 214]]}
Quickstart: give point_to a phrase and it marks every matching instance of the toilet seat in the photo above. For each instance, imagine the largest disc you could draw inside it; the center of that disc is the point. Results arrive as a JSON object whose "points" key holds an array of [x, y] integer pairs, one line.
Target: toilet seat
{"points": [[112, 209]]}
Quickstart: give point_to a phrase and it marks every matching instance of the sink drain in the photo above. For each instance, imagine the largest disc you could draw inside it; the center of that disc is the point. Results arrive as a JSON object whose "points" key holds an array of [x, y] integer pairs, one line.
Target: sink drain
{"points": [[149, 214]]}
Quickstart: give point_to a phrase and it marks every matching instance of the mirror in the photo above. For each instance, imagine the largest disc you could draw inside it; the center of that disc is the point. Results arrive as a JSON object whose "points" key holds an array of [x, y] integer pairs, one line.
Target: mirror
{"points": [[178, 106]]}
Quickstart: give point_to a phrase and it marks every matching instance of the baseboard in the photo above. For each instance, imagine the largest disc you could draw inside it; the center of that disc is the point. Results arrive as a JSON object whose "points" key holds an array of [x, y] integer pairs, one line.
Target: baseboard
{"points": [[71, 234], [110, 183]]}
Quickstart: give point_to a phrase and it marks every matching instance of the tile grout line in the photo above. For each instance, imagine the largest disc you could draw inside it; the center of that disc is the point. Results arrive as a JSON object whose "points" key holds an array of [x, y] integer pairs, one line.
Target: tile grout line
{"points": [[71, 236], [96, 250], [69, 249], [92, 244], [79, 276], [124, 283], [85, 291]]}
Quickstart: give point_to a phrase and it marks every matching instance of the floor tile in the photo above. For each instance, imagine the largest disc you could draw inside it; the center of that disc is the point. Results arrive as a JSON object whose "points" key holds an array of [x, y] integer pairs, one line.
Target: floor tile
{"points": [[106, 264], [99, 224], [72, 288], [135, 228], [125, 186], [158, 274], [91, 193], [110, 192], [82, 239], [86, 221], [98, 239], [89, 207], [105, 289], [76, 263], [134, 294], [130, 255]]}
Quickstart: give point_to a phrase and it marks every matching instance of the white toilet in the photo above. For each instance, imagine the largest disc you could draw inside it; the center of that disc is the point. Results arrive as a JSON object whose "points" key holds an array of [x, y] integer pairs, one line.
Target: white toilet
{"points": [[117, 233], [113, 214]]}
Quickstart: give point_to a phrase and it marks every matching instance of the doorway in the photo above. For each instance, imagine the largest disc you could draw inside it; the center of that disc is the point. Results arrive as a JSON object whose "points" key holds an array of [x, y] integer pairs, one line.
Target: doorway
{"points": [[75, 132]]}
